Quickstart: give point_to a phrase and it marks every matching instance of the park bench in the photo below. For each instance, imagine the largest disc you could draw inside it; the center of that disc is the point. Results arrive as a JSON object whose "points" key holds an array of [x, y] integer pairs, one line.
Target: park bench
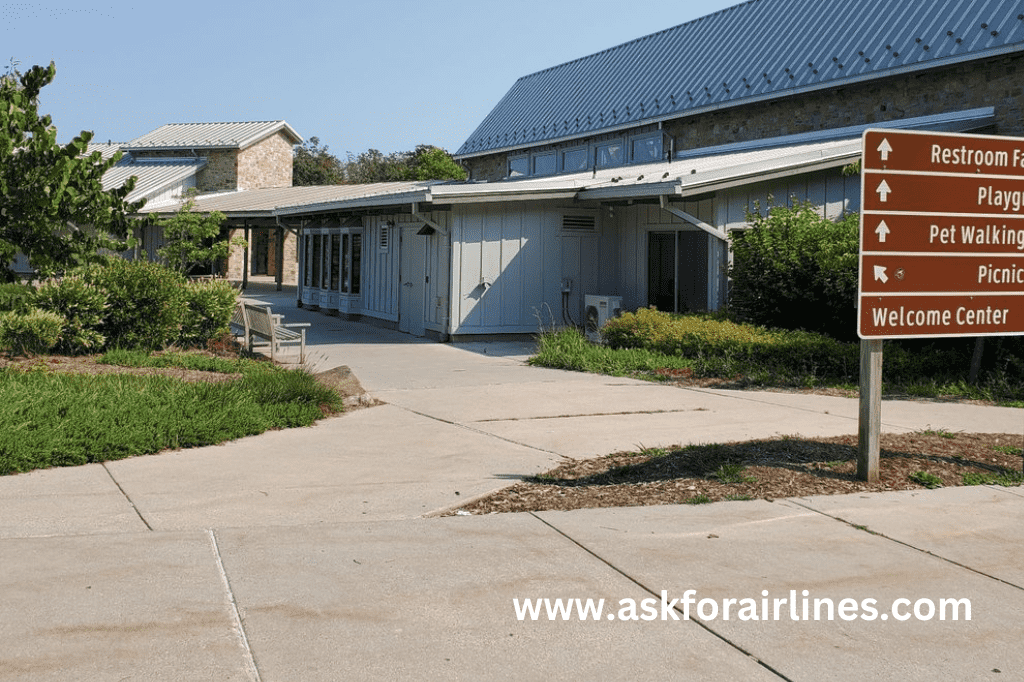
{"points": [[256, 320]]}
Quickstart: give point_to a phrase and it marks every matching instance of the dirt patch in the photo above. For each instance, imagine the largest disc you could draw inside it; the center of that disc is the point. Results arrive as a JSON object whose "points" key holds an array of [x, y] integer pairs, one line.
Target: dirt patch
{"points": [[763, 469], [87, 364]]}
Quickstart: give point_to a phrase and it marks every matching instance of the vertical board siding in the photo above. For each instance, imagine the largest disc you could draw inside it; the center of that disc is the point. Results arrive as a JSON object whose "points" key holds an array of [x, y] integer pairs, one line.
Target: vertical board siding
{"points": [[380, 299]]}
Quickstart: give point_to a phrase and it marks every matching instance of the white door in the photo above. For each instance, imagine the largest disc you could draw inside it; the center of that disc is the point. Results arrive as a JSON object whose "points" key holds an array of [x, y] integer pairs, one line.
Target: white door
{"points": [[412, 274]]}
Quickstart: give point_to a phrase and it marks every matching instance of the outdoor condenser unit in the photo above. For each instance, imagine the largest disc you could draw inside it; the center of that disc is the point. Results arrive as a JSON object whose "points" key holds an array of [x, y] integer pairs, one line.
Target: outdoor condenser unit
{"points": [[598, 310]]}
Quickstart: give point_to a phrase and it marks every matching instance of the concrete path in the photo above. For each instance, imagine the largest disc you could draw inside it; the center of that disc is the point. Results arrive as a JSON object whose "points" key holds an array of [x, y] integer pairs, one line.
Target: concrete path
{"points": [[304, 554]]}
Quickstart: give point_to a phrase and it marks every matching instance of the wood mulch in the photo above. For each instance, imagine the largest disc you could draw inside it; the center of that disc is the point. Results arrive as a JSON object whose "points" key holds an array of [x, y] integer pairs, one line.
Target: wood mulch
{"points": [[763, 469]]}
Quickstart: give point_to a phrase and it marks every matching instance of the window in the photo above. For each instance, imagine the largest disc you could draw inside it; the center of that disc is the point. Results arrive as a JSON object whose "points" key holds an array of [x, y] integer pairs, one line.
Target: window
{"points": [[611, 154], [544, 164], [334, 260], [350, 255], [316, 260], [518, 166], [574, 160], [385, 236], [308, 246], [645, 149]]}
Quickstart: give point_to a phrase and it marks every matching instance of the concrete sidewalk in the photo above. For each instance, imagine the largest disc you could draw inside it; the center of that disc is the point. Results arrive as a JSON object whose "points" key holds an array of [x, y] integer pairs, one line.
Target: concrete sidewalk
{"points": [[303, 554]]}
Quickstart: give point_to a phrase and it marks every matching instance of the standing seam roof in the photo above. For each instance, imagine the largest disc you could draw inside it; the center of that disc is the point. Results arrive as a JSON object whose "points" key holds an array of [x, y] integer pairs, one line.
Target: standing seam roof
{"points": [[210, 135], [759, 49]]}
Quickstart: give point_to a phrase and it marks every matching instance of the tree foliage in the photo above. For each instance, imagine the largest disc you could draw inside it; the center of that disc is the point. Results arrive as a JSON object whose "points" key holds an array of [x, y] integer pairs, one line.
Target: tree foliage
{"points": [[315, 165], [53, 207], [190, 238], [795, 269]]}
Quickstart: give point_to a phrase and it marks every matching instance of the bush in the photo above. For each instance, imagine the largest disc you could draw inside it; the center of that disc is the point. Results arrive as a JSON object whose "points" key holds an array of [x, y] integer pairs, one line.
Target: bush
{"points": [[16, 297], [83, 307], [797, 270], [209, 305], [721, 348], [147, 303], [29, 333]]}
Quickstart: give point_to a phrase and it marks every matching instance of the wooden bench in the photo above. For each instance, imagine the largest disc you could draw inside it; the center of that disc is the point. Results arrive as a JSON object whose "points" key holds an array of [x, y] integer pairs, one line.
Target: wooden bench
{"points": [[254, 320]]}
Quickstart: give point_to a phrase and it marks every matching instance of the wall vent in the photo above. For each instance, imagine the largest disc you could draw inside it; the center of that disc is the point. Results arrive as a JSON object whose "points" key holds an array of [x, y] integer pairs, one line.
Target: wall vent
{"points": [[575, 223]]}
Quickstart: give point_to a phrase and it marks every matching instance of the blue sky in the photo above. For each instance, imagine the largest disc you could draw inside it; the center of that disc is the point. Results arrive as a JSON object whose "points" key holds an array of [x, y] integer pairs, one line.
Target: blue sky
{"points": [[384, 74]]}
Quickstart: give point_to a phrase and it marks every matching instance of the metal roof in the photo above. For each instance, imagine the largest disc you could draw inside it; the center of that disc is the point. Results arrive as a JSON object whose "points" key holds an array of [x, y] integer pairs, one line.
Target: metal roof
{"points": [[153, 175], [291, 200], [106, 149], [711, 169], [210, 135], [755, 51]]}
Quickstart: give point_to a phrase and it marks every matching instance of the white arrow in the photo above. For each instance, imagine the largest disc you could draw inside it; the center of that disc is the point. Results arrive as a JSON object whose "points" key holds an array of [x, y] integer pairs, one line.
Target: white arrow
{"points": [[880, 274], [885, 148], [884, 191], [882, 230]]}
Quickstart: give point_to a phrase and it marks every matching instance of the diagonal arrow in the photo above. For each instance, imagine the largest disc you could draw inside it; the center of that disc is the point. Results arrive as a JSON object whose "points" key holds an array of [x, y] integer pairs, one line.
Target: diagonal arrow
{"points": [[880, 274], [882, 230], [885, 148], [884, 191]]}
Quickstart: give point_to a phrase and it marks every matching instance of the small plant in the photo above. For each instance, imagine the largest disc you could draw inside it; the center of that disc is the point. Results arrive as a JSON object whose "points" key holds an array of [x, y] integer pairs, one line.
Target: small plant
{"points": [[30, 333], [699, 499], [738, 498], [208, 308], [941, 433], [733, 473], [1006, 478], [653, 453], [926, 479], [147, 303], [1007, 449], [83, 307]]}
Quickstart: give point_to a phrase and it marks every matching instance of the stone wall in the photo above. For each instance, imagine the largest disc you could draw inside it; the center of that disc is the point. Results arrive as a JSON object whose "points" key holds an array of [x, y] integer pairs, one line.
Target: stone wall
{"points": [[995, 83], [221, 171], [268, 163]]}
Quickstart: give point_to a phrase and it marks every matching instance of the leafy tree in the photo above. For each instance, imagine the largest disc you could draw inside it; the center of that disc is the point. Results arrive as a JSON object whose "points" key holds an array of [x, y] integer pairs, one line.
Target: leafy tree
{"points": [[797, 270], [190, 238], [314, 165], [53, 207], [434, 163]]}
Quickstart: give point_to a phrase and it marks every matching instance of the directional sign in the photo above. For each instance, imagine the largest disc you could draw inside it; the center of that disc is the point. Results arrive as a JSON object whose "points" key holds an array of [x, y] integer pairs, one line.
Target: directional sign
{"points": [[941, 236]]}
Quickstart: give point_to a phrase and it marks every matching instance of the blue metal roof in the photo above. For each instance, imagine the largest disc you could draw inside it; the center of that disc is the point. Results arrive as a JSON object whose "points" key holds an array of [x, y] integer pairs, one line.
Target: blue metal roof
{"points": [[759, 50]]}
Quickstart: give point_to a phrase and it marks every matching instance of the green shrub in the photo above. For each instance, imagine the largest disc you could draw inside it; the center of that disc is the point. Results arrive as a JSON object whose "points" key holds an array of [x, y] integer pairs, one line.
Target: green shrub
{"points": [[83, 307], [722, 348], [795, 269], [209, 305], [16, 297], [146, 303], [30, 333]]}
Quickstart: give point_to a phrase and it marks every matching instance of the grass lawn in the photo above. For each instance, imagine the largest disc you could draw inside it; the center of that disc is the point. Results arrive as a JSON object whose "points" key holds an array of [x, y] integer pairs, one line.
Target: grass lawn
{"points": [[63, 418]]}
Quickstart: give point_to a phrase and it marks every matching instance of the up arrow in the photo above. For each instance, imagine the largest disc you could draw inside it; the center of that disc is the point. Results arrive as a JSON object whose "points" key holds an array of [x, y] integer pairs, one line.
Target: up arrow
{"points": [[884, 191], [882, 230], [880, 274], [885, 148]]}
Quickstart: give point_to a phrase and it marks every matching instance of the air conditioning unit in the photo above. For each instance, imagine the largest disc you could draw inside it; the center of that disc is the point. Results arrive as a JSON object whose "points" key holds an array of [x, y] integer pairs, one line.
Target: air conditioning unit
{"points": [[597, 311]]}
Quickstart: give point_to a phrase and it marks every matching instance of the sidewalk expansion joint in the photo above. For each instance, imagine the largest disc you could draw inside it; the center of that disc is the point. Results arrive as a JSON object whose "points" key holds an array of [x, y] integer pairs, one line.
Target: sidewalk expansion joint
{"points": [[250, 659], [593, 414], [479, 431], [697, 621], [127, 496], [907, 545]]}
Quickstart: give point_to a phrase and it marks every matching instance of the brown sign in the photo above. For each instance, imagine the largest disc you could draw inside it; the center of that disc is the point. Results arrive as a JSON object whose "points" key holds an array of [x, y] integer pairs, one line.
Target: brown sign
{"points": [[887, 232], [942, 235]]}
